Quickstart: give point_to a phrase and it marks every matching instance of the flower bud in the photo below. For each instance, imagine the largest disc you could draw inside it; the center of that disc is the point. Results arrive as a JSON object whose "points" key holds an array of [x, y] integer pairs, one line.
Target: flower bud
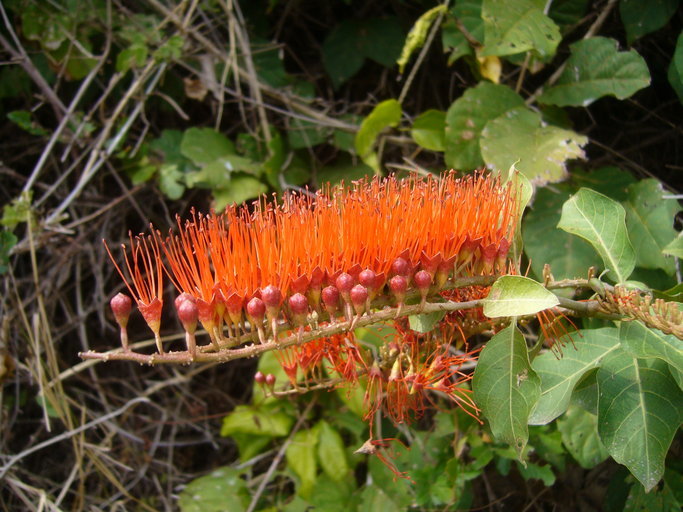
{"points": [[260, 378], [270, 380], [400, 267], [359, 295], [256, 310], [188, 315], [121, 306], [330, 296], [398, 286], [298, 305], [344, 284]]}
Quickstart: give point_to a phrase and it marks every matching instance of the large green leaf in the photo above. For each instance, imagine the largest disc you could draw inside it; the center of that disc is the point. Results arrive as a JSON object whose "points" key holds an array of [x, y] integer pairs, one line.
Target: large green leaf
{"points": [[643, 342], [506, 387], [567, 13], [675, 73], [240, 188], [517, 296], [649, 219], [519, 26], [559, 376], [579, 429], [468, 13], [640, 17], [466, 118], [300, 455], [385, 114], [596, 69], [222, 489], [538, 150], [569, 256], [675, 247], [601, 221], [640, 407]]}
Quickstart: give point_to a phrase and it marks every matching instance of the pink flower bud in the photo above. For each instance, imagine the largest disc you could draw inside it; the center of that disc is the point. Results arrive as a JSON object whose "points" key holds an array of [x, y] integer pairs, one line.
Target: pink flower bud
{"points": [[121, 306]]}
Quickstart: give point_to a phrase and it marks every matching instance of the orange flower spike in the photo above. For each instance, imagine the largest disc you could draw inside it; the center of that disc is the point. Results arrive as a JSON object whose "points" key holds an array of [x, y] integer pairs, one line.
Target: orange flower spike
{"points": [[145, 271]]}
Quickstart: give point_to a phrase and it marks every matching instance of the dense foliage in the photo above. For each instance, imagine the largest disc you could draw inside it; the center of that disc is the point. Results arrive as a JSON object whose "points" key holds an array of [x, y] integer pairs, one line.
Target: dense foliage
{"points": [[119, 114]]}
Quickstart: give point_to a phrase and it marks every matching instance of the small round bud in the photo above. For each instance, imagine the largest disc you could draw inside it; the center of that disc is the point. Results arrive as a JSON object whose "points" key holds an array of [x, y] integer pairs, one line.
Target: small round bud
{"points": [[422, 280], [400, 267], [298, 304], [367, 278], [344, 283], [359, 294], [272, 296], [188, 314], [270, 380], [260, 378], [398, 285], [330, 296], [121, 306], [182, 298], [256, 309]]}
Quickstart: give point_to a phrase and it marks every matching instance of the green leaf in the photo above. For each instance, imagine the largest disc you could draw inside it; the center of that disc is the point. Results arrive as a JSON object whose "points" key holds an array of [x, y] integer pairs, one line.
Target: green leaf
{"points": [[675, 74], [640, 408], [352, 41], [640, 17], [656, 500], [531, 471], [569, 256], [649, 219], [171, 181], [541, 151], [385, 114], [134, 56], [466, 118], [7, 241], [601, 221], [454, 41], [238, 190], [567, 12], [24, 120], [204, 145], [417, 35], [425, 322], [251, 419], [469, 14], [559, 376], [579, 429], [596, 69], [331, 452], [519, 26], [610, 181], [517, 296], [222, 489], [306, 134], [506, 387], [17, 211], [675, 247], [373, 499], [250, 445], [428, 129], [643, 342], [300, 455]]}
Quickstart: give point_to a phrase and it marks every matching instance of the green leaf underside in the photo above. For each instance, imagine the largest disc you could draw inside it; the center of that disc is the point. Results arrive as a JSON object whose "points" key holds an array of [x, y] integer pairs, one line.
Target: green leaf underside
{"points": [[559, 376], [579, 429], [642, 342], [568, 256], [640, 17], [541, 151], [639, 410], [517, 296], [596, 69], [649, 219], [516, 27], [466, 118], [425, 322], [601, 221], [506, 387]]}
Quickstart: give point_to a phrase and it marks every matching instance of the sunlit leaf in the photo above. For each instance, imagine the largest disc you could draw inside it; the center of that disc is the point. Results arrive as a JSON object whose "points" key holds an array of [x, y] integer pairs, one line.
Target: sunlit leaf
{"points": [[250, 419], [222, 489], [331, 451], [417, 35], [428, 129], [601, 221], [240, 188], [641, 341], [466, 118], [540, 151], [560, 375], [517, 296], [595, 69], [506, 387], [301, 459], [519, 26], [204, 145], [384, 115]]}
